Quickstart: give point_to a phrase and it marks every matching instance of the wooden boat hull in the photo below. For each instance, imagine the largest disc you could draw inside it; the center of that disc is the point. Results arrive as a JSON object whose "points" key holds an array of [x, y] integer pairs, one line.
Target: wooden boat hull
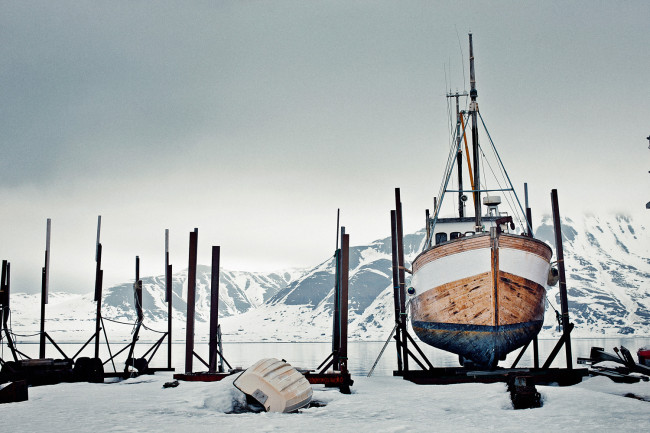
{"points": [[480, 297]]}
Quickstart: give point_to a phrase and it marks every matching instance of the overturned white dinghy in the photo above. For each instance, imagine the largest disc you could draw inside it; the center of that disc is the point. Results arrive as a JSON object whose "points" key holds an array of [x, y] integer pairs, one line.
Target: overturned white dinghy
{"points": [[276, 385]]}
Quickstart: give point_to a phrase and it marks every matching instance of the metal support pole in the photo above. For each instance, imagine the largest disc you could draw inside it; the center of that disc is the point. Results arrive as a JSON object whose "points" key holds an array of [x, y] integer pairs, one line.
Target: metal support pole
{"points": [[336, 316], [47, 259], [4, 305], [191, 299], [345, 268], [398, 329], [41, 351], [336, 313], [168, 281], [137, 298], [214, 309], [402, 277], [564, 302], [138, 290], [45, 276], [168, 299], [99, 278]]}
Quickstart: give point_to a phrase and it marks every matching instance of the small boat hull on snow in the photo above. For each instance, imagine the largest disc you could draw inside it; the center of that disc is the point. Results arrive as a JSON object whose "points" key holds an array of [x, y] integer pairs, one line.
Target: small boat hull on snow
{"points": [[480, 296], [276, 385]]}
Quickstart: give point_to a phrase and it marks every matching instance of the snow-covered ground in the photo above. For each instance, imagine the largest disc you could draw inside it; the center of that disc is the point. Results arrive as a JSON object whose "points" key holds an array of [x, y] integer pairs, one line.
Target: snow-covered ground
{"points": [[378, 404]]}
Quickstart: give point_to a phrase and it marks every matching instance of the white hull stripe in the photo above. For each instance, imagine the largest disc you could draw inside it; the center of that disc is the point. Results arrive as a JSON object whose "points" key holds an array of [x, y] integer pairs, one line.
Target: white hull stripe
{"points": [[474, 262], [451, 268]]}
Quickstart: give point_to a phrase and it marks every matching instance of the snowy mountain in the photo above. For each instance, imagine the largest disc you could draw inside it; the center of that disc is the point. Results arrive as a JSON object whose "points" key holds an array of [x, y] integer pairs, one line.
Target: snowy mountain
{"points": [[607, 264]]}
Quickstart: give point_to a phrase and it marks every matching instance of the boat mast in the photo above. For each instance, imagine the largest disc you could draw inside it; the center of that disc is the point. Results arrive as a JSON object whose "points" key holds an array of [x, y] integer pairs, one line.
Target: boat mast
{"points": [[459, 153], [473, 111]]}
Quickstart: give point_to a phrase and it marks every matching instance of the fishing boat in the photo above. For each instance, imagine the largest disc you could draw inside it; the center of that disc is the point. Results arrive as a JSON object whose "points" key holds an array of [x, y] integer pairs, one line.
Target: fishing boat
{"points": [[479, 285]]}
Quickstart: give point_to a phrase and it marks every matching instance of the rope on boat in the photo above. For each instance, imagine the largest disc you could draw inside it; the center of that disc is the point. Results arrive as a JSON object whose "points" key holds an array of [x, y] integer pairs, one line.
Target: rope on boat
{"points": [[506, 173], [508, 192], [558, 316]]}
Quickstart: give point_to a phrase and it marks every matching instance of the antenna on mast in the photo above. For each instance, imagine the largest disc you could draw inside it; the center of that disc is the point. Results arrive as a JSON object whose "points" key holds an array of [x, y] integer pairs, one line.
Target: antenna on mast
{"points": [[473, 111]]}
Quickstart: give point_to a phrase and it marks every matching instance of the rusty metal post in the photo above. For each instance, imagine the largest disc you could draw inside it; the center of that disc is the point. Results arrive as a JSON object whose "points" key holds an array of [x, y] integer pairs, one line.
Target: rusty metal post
{"points": [[138, 290], [5, 290], [336, 315], [396, 298], [402, 276], [168, 282], [99, 278], [214, 310], [41, 350], [191, 299], [98, 285], [4, 295], [336, 311], [47, 260], [345, 272], [137, 298], [168, 299], [564, 302], [45, 274]]}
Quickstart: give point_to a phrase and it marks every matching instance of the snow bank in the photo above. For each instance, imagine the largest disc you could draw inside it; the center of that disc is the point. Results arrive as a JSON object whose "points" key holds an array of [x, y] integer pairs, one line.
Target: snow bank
{"points": [[382, 404]]}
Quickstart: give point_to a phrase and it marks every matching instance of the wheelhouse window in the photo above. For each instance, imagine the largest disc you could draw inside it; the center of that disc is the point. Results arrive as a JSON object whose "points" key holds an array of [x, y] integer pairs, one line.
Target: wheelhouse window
{"points": [[455, 235], [441, 237]]}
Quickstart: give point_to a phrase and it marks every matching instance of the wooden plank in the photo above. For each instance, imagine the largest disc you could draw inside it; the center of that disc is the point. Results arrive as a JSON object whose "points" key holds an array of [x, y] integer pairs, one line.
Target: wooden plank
{"points": [[520, 300], [466, 301], [527, 244], [452, 247]]}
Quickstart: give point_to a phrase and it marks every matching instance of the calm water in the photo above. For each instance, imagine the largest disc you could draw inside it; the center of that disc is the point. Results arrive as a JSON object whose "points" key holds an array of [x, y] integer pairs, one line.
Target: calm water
{"points": [[362, 355]]}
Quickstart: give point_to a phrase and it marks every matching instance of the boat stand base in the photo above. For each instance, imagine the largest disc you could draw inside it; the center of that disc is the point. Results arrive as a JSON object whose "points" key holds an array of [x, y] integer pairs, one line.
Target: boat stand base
{"points": [[204, 376], [452, 375], [342, 381]]}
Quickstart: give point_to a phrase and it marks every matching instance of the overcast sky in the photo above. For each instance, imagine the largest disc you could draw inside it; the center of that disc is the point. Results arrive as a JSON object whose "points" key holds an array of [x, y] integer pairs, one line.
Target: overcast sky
{"points": [[255, 120]]}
